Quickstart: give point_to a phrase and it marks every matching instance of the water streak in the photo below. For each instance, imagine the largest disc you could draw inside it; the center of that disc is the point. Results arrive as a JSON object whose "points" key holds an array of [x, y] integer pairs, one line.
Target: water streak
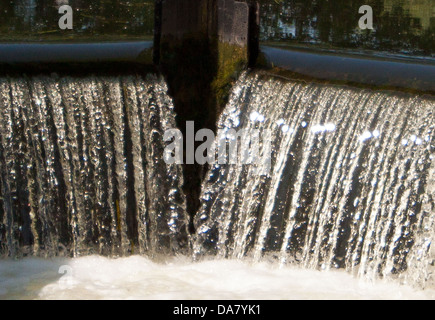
{"points": [[81, 167], [351, 184]]}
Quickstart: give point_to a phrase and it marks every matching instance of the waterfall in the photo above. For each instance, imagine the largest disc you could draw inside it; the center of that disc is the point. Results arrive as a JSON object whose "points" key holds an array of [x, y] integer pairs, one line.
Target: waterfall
{"points": [[351, 184], [81, 167]]}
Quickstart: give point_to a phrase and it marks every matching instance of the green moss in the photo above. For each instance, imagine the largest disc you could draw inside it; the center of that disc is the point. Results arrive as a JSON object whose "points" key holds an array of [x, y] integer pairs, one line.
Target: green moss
{"points": [[146, 57], [231, 60], [200, 72]]}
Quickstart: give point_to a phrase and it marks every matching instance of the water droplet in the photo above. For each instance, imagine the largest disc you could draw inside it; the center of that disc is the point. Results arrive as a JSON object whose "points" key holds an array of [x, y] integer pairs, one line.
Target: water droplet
{"points": [[365, 136], [356, 202], [330, 127], [280, 122], [254, 116]]}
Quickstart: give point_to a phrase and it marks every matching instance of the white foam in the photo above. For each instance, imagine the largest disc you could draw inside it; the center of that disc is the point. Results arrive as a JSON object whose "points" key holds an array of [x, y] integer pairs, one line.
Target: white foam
{"points": [[139, 278]]}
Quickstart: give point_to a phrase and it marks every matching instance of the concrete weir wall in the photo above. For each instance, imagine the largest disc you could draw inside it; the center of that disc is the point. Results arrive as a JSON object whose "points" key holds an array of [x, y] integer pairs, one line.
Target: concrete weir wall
{"points": [[201, 46]]}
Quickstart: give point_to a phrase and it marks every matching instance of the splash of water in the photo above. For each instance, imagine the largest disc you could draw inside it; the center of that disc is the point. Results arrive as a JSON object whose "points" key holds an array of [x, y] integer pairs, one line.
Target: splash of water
{"points": [[180, 279], [351, 186], [81, 170]]}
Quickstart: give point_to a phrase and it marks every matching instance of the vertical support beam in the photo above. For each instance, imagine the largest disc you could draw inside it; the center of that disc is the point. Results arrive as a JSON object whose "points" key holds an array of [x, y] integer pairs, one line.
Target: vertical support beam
{"points": [[231, 47], [219, 38], [254, 34], [201, 46], [157, 31]]}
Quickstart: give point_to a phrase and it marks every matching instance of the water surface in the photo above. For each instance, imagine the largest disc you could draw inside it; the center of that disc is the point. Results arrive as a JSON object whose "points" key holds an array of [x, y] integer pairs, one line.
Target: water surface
{"points": [[180, 279]]}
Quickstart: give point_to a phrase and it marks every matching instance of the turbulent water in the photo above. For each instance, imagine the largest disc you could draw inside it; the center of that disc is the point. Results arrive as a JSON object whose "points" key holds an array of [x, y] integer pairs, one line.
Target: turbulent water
{"points": [[351, 184], [81, 167], [180, 279]]}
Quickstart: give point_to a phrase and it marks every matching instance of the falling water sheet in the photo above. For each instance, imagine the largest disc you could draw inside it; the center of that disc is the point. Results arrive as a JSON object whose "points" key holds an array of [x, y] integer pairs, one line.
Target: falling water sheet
{"points": [[351, 184], [81, 167]]}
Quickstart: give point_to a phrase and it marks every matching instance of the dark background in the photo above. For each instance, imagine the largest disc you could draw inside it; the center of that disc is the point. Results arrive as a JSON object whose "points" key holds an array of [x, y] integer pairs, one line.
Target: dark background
{"points": [[401, 26]]}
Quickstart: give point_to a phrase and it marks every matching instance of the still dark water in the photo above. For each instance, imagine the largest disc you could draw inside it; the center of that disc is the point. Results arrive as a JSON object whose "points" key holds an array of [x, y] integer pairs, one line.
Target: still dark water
{"points": [[30, 20], [404, 26]]}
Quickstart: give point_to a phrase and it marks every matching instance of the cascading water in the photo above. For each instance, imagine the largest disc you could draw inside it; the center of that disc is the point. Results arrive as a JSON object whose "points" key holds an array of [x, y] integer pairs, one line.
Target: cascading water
{"points": [[81, 167], [351, 184]]}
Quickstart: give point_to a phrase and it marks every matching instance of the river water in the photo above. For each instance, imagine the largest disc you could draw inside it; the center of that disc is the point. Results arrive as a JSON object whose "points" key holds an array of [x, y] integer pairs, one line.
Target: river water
{"points": [[179, 278], [349, 187]]}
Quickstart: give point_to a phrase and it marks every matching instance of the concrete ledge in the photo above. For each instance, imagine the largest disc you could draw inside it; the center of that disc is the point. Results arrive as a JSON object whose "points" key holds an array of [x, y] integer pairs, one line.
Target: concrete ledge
{"points": [[126, 51], [354, 69]]}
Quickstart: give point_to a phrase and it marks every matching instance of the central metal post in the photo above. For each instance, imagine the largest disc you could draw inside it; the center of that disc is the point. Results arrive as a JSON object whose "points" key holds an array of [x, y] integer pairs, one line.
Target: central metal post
{"points": [[201, 46]]}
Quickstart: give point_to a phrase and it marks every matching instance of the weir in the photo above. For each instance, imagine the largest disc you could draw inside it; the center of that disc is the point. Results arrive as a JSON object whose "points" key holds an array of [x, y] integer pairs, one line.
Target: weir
{"points": [[81, 167], [201, 46], [81, 151], [351, 183]]}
